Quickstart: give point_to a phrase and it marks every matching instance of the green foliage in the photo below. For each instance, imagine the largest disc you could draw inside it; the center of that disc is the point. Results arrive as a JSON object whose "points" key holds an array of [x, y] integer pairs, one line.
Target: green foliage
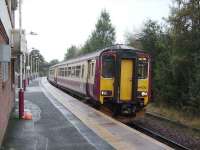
{"points": [[102, 36], [133, 40], [43, 65], [176, 56], [53, 62], [185, 31], [71, 52]]}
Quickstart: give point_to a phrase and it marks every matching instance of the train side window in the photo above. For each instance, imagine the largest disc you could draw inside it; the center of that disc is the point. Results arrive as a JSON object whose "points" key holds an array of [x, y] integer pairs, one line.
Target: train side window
{"points": [[73, 72], [65, 71], [62, 72], [78, 71], [108, 66], [69, 71]]}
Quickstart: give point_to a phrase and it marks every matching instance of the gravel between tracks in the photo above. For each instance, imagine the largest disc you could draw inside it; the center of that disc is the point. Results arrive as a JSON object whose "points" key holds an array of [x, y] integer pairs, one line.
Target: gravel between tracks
{"points": [[183, 136]]}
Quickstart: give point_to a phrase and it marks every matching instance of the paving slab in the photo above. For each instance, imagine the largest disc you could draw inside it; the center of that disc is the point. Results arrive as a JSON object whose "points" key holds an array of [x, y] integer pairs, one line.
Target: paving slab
{"points": [[50, 129]]}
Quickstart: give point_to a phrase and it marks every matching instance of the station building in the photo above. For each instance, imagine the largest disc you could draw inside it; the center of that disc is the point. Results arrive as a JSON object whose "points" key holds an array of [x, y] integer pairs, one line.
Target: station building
{"points": [[7, 77]]}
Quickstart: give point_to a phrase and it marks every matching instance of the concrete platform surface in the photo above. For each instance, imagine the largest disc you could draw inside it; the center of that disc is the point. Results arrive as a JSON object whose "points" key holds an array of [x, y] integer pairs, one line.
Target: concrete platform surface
{"points": [[113, 132], [53, 127]]}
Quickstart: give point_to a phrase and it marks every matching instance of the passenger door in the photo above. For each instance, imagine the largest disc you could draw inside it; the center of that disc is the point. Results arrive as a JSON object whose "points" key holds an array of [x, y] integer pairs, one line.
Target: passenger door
{"points": [[90, 77], [126, 79]]}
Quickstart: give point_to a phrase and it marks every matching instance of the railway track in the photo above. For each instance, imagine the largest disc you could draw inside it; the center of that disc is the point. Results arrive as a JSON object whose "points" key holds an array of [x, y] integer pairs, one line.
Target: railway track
{"points": [[144, 130], [148, 114], [158, 137]]}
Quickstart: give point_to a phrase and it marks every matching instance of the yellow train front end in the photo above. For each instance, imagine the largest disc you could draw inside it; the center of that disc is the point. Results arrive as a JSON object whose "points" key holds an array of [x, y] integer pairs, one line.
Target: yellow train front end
{"points": [[125, 82]]}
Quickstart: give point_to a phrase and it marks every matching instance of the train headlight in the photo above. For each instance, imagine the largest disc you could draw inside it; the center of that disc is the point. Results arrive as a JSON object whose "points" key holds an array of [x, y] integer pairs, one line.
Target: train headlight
{"points": [[144, 93], [106, 93]]}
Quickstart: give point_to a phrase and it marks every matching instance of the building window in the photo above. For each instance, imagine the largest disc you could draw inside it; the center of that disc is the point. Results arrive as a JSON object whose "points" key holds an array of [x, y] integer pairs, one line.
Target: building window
{"points": [[4, 70]]}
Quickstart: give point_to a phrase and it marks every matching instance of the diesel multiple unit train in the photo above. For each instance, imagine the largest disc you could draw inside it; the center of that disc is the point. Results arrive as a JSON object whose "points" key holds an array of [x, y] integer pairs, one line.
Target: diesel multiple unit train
{"points": [[118, 77]]}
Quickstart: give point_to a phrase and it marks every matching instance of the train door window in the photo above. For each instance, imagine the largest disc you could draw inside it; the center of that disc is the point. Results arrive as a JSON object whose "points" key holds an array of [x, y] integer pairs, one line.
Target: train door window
{"points": [[82, 72], [89, 70], [108, 66], [78, 71], [59, 72], [92, 70]]}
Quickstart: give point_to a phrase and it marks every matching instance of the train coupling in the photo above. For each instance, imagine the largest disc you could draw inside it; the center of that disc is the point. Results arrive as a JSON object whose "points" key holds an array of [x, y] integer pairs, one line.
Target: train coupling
{"points": [[128, 109]]}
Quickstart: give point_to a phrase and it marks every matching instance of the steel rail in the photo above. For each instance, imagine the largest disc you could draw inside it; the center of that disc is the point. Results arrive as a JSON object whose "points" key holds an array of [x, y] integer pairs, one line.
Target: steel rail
{"points": [[158, 137], [149, 114]]}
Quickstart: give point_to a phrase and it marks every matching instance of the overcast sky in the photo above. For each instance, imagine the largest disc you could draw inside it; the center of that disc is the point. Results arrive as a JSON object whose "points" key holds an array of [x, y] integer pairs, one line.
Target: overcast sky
{"points": [[61, 23]]}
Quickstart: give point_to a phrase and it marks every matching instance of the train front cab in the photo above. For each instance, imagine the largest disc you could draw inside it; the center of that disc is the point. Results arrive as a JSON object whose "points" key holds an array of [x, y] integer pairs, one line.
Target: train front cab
{"points": [[119, 82]]}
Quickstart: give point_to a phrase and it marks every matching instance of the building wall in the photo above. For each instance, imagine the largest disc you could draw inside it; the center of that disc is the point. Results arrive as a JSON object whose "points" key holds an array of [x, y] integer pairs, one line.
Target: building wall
{"points": [[6, 101], [7, 88]]}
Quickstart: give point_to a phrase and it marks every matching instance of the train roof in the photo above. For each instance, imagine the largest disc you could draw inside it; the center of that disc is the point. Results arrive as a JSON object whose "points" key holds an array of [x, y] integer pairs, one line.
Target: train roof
{"points": [[97, 53]]}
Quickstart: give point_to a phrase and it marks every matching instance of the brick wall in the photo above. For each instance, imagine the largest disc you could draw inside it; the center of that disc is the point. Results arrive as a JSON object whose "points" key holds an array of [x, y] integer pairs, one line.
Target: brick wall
{"points": [[6, 99]]}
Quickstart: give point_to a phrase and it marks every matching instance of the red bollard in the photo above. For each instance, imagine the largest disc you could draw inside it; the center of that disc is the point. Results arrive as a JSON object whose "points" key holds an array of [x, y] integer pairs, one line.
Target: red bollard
{"points": [[21, 104]]}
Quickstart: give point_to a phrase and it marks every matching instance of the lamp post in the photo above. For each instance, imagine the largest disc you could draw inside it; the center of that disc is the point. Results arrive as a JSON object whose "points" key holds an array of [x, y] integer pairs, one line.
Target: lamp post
{"points": [[31, 68], [36, 66], [28, 68], [29, 59], [24, 72], [21, 91]]}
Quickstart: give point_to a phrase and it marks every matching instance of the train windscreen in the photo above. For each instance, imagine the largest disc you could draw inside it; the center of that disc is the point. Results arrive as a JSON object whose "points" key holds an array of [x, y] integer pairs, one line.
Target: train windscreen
{"points": [[108, 66]]}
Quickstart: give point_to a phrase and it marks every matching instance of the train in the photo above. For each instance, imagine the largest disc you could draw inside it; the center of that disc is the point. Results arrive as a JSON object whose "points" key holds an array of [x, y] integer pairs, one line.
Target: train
{"points": [[118, 77]]}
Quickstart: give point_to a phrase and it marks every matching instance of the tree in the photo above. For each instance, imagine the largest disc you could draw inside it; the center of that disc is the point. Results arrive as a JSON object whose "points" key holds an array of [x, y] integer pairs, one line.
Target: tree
{"points": [[153, 39], [53, 62], [42, 63], [175, 51], [71, 52], [134, 40], [185, 30], [102, 36]]}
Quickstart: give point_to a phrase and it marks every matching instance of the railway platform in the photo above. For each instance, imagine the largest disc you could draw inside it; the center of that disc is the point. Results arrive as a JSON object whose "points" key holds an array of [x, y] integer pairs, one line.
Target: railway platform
{"points": [[62, 122]]}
